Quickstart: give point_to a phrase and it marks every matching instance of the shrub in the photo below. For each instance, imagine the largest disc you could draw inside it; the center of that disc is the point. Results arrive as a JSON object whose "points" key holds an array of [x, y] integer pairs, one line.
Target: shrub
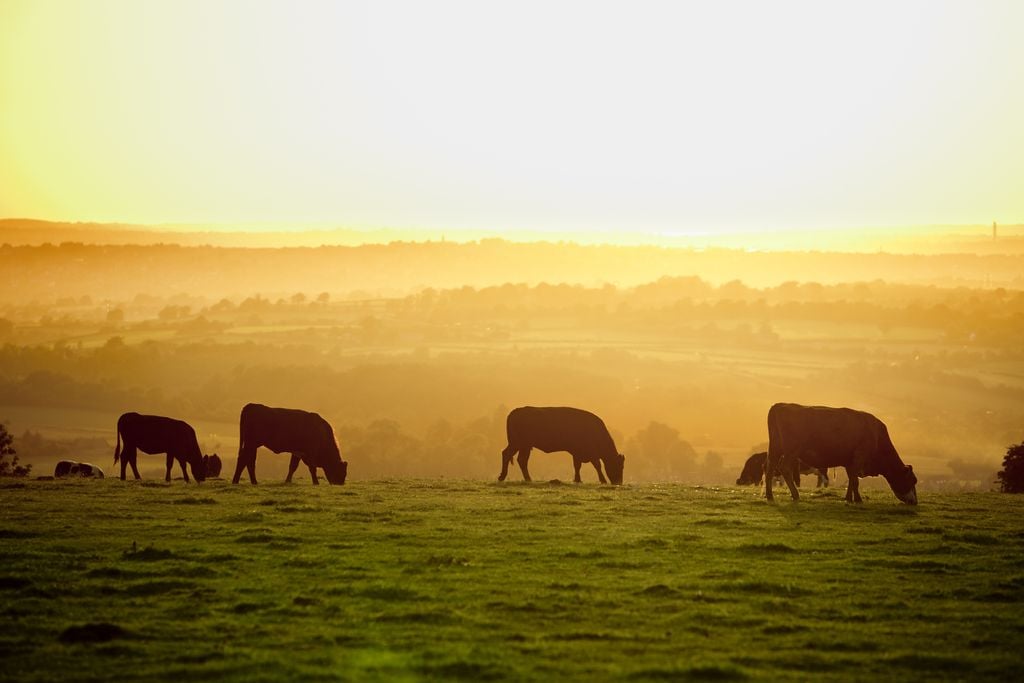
{"points": [[1011, 477], [10, 468]]}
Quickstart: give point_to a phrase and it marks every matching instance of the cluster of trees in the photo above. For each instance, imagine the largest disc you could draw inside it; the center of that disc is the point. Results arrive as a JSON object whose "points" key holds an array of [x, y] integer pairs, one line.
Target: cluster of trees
{"points": [[48, 272]]}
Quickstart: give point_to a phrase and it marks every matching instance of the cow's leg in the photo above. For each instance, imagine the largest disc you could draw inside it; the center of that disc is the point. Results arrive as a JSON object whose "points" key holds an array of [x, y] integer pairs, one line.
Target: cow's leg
{"points": [[124, 462], [822, 478], [770, 466], [293, 465], [170, 464], [576, 464], [853, 487], [184, 472], [251, 466], [246, 461], [134, 462], [600, 473], [523, 459], [790, 471], [506, 460], [312, 475]]}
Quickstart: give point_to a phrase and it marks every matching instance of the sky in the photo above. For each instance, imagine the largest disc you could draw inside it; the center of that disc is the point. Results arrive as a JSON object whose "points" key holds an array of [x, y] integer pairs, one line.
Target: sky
{"points": [[617, 117]]}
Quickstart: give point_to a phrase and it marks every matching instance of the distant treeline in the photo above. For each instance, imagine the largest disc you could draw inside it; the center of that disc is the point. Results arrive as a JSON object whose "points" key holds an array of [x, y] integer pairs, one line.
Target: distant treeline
{"points": [[687, 306], [50, 272]]}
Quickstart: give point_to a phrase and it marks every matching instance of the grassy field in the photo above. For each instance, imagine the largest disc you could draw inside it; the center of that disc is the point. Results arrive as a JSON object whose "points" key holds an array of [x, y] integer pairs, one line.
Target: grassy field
{"points": [[461, 580]]}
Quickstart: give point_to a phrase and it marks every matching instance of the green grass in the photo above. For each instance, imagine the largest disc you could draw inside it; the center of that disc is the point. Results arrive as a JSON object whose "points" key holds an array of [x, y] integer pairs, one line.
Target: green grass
{"points": [[456, 580]]}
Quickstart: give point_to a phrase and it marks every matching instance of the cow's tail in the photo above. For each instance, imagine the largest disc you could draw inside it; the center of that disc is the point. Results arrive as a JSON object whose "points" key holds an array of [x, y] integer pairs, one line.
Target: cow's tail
{"points": [[117, 448]]}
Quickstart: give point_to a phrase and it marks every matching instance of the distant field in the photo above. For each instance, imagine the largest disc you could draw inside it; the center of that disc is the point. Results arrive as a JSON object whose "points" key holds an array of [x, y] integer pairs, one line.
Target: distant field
{"points": [[462, 580]]}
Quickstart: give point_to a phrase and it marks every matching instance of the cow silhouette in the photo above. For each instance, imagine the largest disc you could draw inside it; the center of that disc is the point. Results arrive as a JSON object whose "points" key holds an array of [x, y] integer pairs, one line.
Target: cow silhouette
{"points": [[579, 432], [213, 465], [307, 436], [155, 434], [823, 437]]}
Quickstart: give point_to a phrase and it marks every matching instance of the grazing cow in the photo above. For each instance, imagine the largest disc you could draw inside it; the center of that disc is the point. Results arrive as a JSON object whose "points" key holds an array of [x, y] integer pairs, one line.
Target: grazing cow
{"points": [[156, 434], [582, 434], [70, 468], [835, 437], [753, 472], [213, 465], [307, 436]]}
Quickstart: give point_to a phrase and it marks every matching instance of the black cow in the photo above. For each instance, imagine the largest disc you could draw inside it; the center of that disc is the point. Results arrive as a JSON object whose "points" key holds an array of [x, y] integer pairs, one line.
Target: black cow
{"points": [[157, 434], [753, 472], [307, 436], [70, 468], [835, 437], [213, 465], [576, 431]]}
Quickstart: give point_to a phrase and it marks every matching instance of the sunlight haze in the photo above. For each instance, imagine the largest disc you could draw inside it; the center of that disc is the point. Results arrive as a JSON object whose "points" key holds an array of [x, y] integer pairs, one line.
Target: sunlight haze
{"points": [[661, 118]]}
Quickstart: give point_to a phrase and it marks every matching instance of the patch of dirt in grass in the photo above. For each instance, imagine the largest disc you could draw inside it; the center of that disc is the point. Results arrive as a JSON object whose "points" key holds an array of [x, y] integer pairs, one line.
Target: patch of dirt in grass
{"points": [[972, 538], [147, 554], [463, 671], [98, 632], [921, 663], [708, 672], [267, 537], [446, 561], [659, 590], [14, 583], [783, 629], [250, 607], [17, 533], [194, 501], [390, 593], [434, 617], [765, 549], [158, 588]]}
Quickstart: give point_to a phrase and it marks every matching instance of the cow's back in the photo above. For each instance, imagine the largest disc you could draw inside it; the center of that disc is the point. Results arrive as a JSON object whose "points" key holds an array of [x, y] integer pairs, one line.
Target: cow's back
{"points": [[156, 433], [285, 429], [559, 429], [821, 436]]}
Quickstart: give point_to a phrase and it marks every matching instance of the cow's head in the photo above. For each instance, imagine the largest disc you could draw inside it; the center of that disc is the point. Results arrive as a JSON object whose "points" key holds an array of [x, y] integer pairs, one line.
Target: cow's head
{"points": [[614, 465], [198, 465], [904, 485], [336, 471], [213, 465], [753, 470]]}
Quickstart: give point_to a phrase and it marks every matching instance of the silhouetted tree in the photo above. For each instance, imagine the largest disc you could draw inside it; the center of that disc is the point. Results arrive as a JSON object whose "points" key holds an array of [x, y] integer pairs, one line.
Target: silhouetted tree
{"points": [[11, 468], [1011, 477]]}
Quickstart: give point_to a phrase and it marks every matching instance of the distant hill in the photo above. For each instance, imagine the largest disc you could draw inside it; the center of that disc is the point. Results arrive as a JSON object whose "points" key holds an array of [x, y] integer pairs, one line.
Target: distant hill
{"points": [[120, 272], [925, 240]]}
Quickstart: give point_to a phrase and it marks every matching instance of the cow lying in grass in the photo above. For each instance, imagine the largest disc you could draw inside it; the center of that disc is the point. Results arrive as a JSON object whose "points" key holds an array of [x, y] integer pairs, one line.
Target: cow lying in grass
{"points": [[70, 468]]}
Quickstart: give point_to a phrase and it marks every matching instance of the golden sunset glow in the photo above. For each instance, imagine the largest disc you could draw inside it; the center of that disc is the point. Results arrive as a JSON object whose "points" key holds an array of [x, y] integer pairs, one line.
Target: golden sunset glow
{"points": [[569, 116]]}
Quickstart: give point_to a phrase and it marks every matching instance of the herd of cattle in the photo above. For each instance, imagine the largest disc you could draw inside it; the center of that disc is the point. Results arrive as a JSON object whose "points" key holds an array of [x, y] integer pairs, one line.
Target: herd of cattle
{"points": [[801, 439]]}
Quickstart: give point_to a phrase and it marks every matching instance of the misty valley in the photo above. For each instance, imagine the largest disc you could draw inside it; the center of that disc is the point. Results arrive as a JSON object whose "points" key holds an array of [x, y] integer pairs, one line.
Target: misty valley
{"points": [[417, 383]]}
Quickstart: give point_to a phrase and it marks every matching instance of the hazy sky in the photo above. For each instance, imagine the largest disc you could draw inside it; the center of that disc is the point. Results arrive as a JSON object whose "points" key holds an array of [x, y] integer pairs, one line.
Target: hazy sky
{"points": [[633, 116]]}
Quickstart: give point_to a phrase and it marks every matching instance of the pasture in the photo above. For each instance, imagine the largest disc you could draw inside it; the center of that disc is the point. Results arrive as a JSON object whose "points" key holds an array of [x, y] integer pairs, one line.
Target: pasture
{"points": [[469, 580]]}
